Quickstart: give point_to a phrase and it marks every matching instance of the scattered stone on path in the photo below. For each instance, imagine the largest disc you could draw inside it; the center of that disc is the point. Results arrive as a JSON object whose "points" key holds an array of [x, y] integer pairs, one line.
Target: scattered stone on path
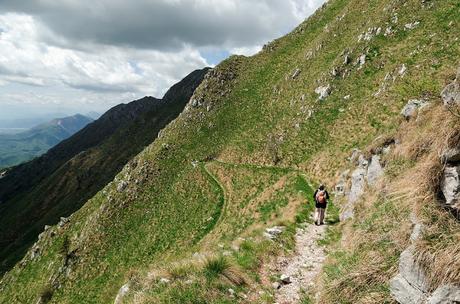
{"points": [[285, 279], [307, 252]]}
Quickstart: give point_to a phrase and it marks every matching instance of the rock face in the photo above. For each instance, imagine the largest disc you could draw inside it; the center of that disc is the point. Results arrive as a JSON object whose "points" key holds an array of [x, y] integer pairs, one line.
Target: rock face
{"points": [[410, 285], [358, 181], [451, 155], [445, 294], [450, 186], [374, 171], [451, 93]]}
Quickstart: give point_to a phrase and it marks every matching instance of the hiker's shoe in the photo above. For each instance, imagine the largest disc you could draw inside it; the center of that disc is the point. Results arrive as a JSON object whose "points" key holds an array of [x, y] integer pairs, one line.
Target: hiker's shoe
{"points": [[322, 223]]}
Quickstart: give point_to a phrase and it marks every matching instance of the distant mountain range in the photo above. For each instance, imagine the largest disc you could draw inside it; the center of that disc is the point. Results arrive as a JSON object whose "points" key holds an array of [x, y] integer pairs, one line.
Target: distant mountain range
{"points": [[57, 183], [19, 147]]}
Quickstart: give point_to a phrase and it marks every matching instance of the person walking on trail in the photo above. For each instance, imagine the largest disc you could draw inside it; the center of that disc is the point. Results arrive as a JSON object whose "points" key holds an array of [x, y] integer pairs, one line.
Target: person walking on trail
{"points": [[321, 196]]}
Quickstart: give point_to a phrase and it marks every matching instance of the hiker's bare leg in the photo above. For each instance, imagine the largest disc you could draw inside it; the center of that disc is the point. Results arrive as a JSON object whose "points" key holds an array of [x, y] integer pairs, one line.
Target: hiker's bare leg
{"points": [[317, 215], [321, 218]]}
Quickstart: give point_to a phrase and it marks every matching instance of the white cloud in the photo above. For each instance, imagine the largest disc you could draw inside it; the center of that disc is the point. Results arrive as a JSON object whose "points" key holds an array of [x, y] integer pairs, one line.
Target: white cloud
{"points": [[100, 53], [25, 59]]}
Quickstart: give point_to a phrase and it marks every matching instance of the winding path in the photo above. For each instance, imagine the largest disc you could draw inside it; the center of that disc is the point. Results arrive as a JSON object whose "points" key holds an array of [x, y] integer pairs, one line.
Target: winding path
{"points": [[305, 264]]}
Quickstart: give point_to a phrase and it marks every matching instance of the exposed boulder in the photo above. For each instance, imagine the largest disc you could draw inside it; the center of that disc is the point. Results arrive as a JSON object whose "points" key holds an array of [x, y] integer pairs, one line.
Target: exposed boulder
{"points": [[445, 294], [273, 232], [412, 107], [374, 170], [323, 92], [296, 73], [361, 60], [412, 25], [121, 293], [63, 221], [451, 155], [358, 181], [411, 271], [450, 186], [451, 93], [285, 279], [405, 293], [122, 186]]}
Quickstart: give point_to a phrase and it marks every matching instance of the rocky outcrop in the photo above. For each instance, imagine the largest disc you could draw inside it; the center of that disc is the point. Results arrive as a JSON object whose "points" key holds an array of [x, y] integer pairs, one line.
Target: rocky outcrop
{"points": [[323, 92], [450, 187], [358, 182], [121, 294], [451, 93], [412, 107], [445, 294], [410, 285], [375, 170], [451, 156]]}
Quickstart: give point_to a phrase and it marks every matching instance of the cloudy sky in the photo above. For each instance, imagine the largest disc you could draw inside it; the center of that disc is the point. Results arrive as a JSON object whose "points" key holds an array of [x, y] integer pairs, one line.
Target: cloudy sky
{"points": [[68, 56]]}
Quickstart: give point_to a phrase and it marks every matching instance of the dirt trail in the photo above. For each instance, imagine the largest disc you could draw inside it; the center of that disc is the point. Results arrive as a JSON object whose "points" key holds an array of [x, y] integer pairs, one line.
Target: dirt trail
{"points": [[303, 266]]}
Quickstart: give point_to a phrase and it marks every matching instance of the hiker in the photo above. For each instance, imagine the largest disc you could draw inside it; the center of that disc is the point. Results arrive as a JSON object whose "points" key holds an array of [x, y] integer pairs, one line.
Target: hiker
{"points": [[321, 196]]}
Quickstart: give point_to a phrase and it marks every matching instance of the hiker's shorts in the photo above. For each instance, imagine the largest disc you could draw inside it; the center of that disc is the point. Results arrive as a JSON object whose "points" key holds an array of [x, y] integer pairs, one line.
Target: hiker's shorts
{"points": [[322, 206]]}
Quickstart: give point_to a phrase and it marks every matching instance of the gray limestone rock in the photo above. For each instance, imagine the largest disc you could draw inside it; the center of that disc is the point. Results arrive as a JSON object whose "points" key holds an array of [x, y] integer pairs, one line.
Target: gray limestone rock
{"points": [[450, 186], [121, 293], [323, 92], [358, 179], [374, 170], [412, 107], [273, 232], [410, 270], [296, 73], [405, 293], [451, 93], [451, 155], [445, 294]]}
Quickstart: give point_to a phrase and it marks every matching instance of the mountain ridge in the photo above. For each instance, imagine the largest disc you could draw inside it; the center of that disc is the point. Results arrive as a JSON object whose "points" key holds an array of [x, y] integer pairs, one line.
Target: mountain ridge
{"points": [[87, 160], [198, 214], [23, 146]]}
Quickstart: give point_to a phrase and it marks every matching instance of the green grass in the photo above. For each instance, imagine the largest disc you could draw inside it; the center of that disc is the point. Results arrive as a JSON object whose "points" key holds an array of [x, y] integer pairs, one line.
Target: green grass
{"points": [[175, 209]]}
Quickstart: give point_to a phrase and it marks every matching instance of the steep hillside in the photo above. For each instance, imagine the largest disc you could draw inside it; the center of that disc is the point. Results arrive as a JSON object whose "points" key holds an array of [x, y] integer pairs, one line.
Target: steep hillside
{"points": [[184, 221], [56, 184], [20, 147]]}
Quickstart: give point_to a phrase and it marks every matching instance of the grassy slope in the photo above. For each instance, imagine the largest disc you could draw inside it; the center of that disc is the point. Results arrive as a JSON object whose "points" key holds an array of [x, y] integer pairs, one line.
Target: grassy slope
{"points": [[165, 210]]}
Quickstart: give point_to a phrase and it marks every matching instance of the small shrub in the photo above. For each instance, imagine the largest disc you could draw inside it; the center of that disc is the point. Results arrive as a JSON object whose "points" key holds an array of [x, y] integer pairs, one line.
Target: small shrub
{"points": [[214, 267], [46, 294]]}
